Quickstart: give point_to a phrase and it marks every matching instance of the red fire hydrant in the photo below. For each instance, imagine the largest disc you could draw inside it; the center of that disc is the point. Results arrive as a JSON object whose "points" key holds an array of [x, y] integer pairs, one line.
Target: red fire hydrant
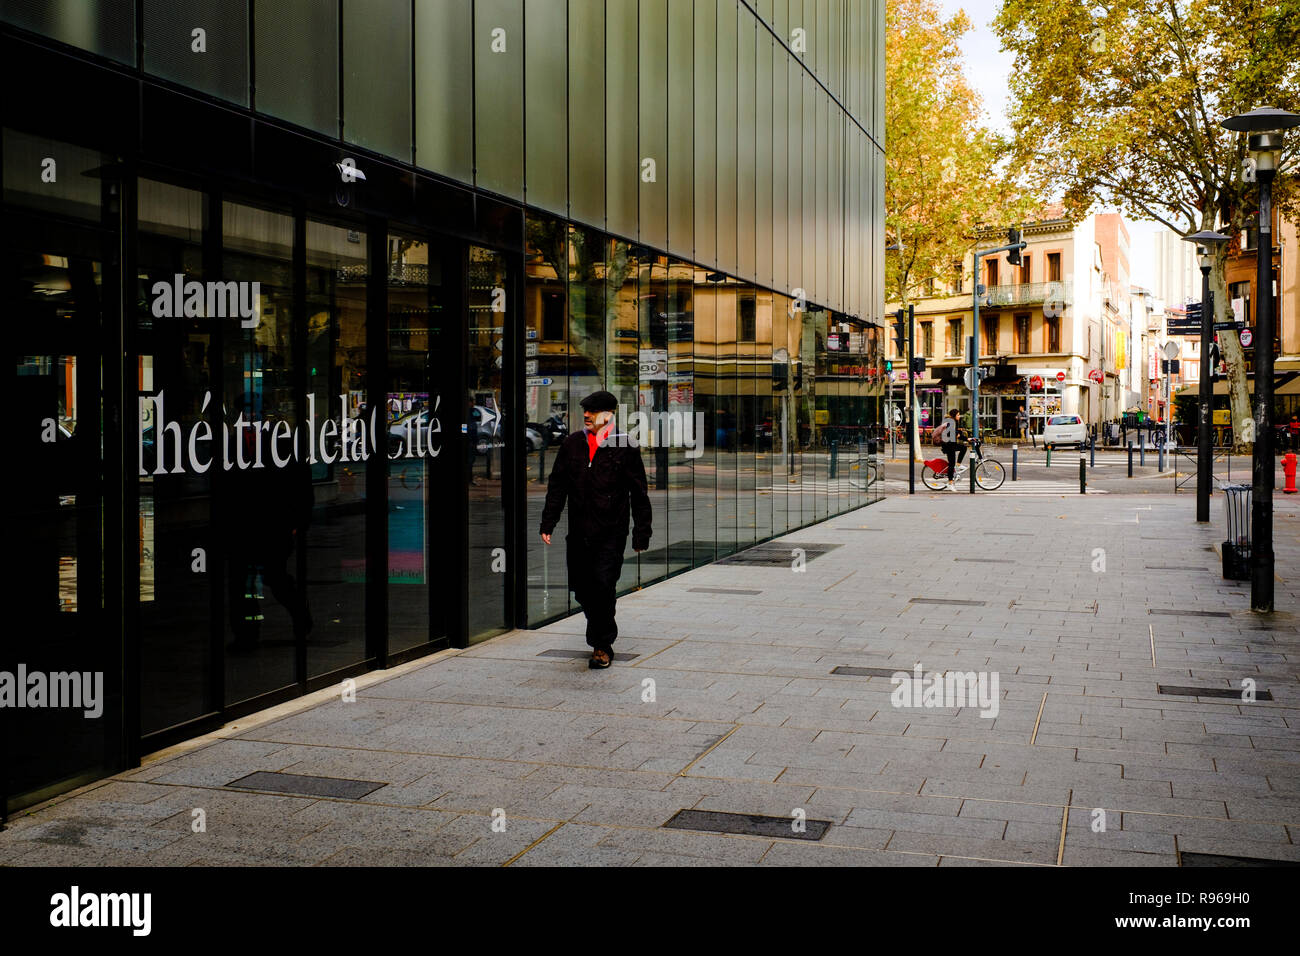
{"points": [[1288, 468]]}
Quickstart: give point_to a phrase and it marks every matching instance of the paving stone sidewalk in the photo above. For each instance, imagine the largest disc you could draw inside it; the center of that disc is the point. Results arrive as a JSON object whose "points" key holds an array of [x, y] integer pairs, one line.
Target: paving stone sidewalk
{"points": [[1083, 608]]}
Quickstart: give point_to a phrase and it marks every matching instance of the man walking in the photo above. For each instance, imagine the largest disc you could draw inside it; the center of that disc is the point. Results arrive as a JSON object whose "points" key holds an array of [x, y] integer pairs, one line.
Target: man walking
{"points": [[951, 439], [600, 473], [1022, 423]]}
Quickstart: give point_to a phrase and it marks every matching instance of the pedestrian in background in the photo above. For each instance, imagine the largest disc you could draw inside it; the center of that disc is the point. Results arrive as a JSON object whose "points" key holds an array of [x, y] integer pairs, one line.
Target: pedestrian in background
{"points": [[600, 473], [1022, 423]]}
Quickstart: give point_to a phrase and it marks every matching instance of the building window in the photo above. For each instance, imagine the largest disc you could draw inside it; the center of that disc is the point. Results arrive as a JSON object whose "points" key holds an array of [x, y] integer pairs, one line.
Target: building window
{"points": [[1022, 334], [1053, 267], [991, 326], [1025, 270], [992, 271], [1052, 325], [929, 286], [748, 331], [1240, 291], [927, 338], [954, 337], [958, 278]]}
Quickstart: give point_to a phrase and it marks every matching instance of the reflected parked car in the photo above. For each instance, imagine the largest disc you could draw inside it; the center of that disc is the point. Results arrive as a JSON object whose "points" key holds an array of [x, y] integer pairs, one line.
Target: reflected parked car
{"points": [[1065, 430]]}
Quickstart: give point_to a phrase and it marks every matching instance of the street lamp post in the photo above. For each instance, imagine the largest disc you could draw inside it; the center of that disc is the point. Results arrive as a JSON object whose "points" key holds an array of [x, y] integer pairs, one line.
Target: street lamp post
{"points": [[1264, 126], [1207, 241]]}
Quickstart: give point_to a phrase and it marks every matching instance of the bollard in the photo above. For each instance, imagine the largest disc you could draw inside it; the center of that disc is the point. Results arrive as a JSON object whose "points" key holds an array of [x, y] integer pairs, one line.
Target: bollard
{"points": [[541, 461], [1083, 474], [1160, 459], [1092, 450], [1049, 456], [834, 457], [1130, 459], [1142, 449], [1015, 454]]}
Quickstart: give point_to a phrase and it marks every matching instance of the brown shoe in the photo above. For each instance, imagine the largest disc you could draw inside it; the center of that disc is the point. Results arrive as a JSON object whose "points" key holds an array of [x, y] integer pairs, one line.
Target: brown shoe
{"points": [[600, 659]]}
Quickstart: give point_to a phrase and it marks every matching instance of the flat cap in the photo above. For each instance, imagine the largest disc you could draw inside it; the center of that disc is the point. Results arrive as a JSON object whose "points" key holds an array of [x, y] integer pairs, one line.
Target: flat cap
{"points": [[600, 402]]}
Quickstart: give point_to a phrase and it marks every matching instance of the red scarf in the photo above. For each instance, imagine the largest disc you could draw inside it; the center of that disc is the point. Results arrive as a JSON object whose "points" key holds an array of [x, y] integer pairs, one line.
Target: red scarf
{"points": [[595, 438]]}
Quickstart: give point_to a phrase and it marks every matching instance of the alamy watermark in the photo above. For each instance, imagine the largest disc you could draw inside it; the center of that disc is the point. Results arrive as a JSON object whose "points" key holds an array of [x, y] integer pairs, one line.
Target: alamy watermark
{"points": [[951, 689], [659, 430], [37, 689], [208, 300]]}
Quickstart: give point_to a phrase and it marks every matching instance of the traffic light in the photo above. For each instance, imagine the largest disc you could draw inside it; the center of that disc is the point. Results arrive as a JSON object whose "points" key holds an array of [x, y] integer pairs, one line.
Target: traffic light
{"points": [[918, 364], [1013, 239], [1214, 359], [889, 366], [900, 331]]}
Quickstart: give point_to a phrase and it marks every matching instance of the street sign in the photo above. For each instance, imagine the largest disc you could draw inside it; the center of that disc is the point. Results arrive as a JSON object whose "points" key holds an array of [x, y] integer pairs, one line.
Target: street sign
{"points": [[530, 349], [654, 365], [1096, 375], [1060, 376], [1171, 350], [1228, 326], [1247, 337], [969, 377], [533, 382]]}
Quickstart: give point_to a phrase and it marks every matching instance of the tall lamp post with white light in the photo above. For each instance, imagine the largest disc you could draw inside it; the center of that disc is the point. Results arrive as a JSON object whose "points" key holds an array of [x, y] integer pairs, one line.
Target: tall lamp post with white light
{"points": [[1264, 127], [1207, 242]]}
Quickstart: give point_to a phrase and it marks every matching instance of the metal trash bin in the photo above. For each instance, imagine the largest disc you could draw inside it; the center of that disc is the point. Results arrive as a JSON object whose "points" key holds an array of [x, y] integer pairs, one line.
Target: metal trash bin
{"points": [[1236, 550]]}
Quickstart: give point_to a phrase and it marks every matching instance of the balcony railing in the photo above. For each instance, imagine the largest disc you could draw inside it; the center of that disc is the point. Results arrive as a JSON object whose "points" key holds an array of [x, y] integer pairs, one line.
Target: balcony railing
{"points": [[1026, 293]]}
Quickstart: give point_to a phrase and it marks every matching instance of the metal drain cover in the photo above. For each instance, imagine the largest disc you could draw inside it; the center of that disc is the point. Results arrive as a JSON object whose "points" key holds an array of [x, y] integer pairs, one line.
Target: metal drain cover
{"points": [[310, 786], [746, 824], [1227, 693], [575, 655], [778, 555]]}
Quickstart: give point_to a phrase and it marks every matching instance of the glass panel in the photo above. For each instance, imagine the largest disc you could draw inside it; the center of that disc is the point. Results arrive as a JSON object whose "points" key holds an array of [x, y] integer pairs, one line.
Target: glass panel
{"points": [[781, 413], [547, 127], [796, 276], [681, 128], [499, 96], [821, 211], [652, 399], [706, 113], [444, 128], [199, 43], [29, 162], [54, 301], [687, 444], [622, 165], [807, 209], [489, 443], [746, 426], [760, 364], [106, 27], [174, 513], [763, 143], [653, 122], [778, 235], [377, 75], [728, 169], [587, 110], [706, 403], [264, 513], [418, 419], [546, 402], [297, 69], [622, 355], [727, 416], [337, 376], [746, 175]]}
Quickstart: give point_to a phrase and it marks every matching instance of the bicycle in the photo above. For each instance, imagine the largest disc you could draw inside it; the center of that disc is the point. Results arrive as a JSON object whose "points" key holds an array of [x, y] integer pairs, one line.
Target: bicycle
{"points": [[989, 473], [864, 472]]}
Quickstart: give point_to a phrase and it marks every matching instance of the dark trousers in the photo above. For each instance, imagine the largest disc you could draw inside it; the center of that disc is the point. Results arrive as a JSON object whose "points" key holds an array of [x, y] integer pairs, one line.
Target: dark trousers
{"points": [[594, 566], [956, 453]]}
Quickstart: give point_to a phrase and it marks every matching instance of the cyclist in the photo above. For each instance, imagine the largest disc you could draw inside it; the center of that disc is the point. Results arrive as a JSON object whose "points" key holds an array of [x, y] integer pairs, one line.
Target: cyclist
{"points": [[952, 439]]}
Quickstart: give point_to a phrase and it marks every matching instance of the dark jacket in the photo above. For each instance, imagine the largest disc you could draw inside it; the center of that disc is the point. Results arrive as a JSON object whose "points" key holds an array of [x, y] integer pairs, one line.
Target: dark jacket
{"points": [[599, 491]]}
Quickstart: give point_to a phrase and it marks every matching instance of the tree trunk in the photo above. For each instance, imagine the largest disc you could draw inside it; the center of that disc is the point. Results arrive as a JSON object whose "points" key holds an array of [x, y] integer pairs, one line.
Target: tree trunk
{"points": [[1234, 358]]}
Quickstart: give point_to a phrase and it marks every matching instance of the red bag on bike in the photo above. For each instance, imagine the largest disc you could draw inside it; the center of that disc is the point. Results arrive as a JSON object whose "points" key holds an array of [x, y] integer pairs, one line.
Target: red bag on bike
{"points": [[938, 465]]}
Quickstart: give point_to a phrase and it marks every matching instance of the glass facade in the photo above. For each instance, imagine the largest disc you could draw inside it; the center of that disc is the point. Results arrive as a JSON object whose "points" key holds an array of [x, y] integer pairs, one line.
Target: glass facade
{"points": [[311, 302]]}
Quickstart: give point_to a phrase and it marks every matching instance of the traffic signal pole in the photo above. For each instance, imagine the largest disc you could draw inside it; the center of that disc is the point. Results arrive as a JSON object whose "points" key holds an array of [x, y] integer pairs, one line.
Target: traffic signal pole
{"points": [[911, 400], [1014, 244]]}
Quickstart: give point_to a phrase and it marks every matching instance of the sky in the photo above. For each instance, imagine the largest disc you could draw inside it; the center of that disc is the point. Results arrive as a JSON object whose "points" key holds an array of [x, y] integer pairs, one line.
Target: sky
{"points": [[987, 68]]}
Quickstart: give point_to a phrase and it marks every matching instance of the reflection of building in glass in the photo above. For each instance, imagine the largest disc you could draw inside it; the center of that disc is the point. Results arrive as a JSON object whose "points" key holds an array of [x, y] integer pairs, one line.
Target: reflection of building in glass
{"points": [[423, 335]]}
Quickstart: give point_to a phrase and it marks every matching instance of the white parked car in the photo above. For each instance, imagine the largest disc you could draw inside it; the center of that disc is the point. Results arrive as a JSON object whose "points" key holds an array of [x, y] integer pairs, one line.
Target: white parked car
{"points": [[1065, 430]]}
